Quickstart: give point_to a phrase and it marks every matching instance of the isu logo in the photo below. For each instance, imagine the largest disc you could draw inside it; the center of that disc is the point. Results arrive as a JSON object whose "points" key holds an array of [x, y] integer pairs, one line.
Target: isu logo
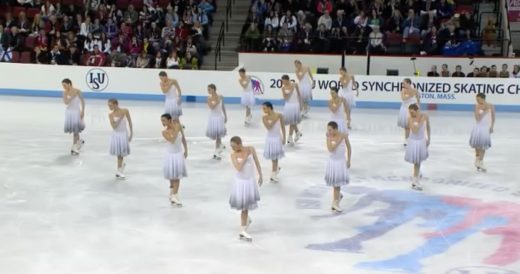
{"points": [[97, 79]]}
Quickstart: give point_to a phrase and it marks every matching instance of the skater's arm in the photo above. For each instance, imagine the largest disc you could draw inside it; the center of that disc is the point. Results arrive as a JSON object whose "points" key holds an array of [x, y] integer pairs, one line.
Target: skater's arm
{"points": [[332, 106], [282, 126], [476, 113], [178, 88], [66, 100], [349, 150], [183, 140], [310, 75], [354, 87], [242, 84], [418, 97], [113, 123], [82, 100], [130, 125], [492, 117], [403, 95], [165, 86], [297, 89], [257, 164], [332, 144], [267, 123], [211, 103], [428, 130], [346, 107], [234, 159], [223, 108]]}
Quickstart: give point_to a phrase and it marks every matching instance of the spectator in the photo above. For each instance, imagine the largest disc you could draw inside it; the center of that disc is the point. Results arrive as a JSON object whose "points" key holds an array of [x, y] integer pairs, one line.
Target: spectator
{"points": [[286, 36], [516, 71], [504, 73], [111, 29], [131, 15], [322, 39], [458, 72], [444, 71], [493, 73], [75, 55], [269, 43], [57, 57], [252, 37], [97, 59], [158, 60], [23, 24], [483, 72], [86, 27], [445, 10], [40, 57], [374, 20], [322, 6], [474, 73], [376, 41], [361, 21], [325, 20], [134, 47], [272, 20], [305, 38], [394, 22], [189, 61], [291, 21], [105, 43], [142, 61], [489, 34], [172, 62], [66, 25], [411, 25], [119, 59], [339, 21], [433, 72]]}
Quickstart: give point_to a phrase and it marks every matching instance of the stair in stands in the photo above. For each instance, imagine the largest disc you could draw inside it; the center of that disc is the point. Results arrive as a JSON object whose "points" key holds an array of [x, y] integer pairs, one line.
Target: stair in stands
{"points": [[229, 54]]}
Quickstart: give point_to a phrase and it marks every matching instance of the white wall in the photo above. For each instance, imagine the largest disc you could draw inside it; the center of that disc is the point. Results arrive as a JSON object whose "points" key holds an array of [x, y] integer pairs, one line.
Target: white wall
{"points": [[143, 84], [358, 64]]}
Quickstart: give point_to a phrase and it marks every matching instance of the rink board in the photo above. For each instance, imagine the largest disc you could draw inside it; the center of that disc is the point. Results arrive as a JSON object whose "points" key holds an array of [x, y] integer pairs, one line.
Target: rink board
{"points": [[143, 84]]}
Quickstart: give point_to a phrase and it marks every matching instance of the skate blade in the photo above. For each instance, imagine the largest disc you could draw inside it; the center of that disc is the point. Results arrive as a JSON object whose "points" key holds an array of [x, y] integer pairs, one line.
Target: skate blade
{"points": [[215, 157], [418, 188], [174, 204], [120, 177], [245, 239]]}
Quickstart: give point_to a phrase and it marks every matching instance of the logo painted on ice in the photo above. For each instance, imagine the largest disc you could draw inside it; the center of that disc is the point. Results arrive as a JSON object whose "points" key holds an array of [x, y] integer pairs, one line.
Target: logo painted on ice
{"points": [[479, 270], [258, 85], [97, 79], [445, 221]]}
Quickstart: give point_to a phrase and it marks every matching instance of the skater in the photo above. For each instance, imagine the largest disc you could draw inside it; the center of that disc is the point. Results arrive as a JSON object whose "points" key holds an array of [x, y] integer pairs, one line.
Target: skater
{"points": [[480, 138], [244, 193], [292, 108], [120, 140], [275, 139], [347, 91], [173, 96], [337, 174], [339, 109], [248, 97], [217, 120], [74, 114], [418, 142], [174, 167], [409, 96], [305, 83]]}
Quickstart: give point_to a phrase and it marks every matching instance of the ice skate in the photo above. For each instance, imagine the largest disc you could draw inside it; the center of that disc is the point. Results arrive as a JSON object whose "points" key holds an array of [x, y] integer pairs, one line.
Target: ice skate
{"points": [[335, 206], [80, 143], [244, 236], [74, 150], [120, 173], [290, 141], [481, 167], [298, 136], [416, 185], [248, 120], [274, 176], [174, 199]]}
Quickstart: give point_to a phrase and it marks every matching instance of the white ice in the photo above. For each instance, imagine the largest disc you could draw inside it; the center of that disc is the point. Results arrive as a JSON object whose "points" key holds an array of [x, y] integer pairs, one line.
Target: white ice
{"points": [[65, 214]]}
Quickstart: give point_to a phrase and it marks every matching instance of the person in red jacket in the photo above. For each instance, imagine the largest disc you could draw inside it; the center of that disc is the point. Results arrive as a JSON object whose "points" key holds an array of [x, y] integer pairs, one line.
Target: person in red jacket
{"points": [[97, 59]]}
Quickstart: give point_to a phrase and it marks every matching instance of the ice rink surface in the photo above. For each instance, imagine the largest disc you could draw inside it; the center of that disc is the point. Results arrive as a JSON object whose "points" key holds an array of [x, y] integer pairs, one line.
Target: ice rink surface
{"points": [[62, 214]]}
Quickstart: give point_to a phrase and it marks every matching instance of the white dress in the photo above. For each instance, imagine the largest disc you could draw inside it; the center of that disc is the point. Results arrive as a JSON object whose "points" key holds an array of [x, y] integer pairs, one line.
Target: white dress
{"points": [[119, 145], [171, 103], [244, 191], [347, 92], [480, 135], [402, 119], [291, 108], [336, 173], [216, 123], [248, 97], [339, 117], [416, 148], [305, 85], [174, 165], [273, 149], [73, 121]]}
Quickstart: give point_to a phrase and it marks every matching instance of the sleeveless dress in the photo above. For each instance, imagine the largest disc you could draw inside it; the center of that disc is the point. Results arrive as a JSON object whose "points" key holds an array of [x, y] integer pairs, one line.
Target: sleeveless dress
{"points": [[339, 118], [73, 122], [244, 191], [402, 119], [171, 105], [305, 85], [216, 125], [480, 135], [119, 145], [248, 97], [273, 149], [291, 108], [174, 166], [416, 149], [347, 93], [337, 173]]}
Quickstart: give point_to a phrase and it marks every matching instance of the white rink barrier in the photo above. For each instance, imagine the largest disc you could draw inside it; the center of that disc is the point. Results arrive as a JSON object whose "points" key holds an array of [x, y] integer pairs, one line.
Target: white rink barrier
{"points": [[143, 84]]}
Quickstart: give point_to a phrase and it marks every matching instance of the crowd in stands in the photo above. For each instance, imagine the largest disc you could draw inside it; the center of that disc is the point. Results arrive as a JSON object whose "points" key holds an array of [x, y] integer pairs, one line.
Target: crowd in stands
{"points": [[484, 71], [121, 33], [430, 27]]}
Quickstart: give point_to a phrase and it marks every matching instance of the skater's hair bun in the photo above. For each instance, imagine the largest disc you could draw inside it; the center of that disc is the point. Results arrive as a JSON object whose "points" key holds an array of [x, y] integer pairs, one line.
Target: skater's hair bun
{"points": [[113, 101], [268, 105], [335, 89], [212, 86], [163, 74], [167, 116], [407, 80], [285, 77], [343, 69], [243, 70], [236, 139], [481, 95], [333, 125], [413, 107], [67, 81], [297, 62]]}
